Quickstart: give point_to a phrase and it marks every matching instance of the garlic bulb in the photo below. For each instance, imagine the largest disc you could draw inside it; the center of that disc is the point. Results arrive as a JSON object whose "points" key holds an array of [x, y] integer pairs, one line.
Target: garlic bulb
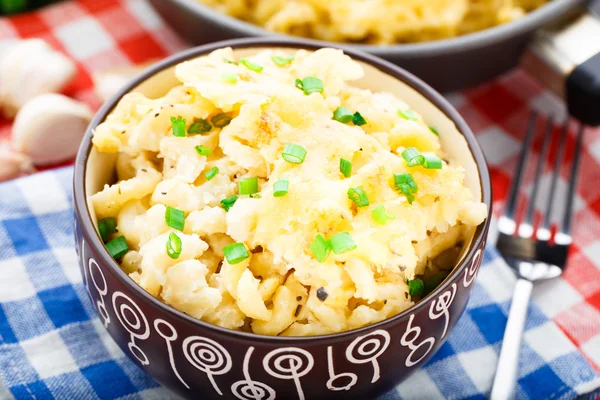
{"points": [[49, 128], [29, 68]]}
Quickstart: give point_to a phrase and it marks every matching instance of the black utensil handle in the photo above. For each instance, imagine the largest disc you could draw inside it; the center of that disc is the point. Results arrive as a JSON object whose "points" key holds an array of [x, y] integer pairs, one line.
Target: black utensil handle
{"points": [[566, 58], [583, 91]]}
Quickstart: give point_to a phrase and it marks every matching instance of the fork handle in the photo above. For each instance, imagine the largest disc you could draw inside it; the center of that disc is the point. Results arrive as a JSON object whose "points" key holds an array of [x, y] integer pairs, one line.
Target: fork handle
{"points": [[505, 381]]}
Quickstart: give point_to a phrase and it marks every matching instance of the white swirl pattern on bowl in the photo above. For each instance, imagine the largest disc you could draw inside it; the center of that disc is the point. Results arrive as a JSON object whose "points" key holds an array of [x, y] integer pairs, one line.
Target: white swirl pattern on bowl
{"points": [[287, 363]]}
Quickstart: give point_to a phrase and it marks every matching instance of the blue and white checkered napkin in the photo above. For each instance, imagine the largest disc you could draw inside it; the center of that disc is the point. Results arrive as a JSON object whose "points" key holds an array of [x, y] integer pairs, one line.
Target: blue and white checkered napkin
{"points": [[53, 346]]}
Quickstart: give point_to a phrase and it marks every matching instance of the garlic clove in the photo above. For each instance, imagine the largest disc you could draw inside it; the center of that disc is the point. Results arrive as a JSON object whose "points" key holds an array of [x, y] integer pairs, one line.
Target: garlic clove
{"points": [[29, 68], [12, 165], [50, 127], [109, 82]]}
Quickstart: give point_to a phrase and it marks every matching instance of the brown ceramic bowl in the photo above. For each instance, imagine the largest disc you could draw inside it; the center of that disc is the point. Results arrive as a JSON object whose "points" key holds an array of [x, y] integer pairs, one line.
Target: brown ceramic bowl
{"points": [[199, 360]]}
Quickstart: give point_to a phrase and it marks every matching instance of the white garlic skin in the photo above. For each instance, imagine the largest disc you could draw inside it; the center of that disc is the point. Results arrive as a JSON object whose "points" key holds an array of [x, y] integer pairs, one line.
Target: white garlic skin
{"points": [[49, 128], [13, 165], [29, 68]]}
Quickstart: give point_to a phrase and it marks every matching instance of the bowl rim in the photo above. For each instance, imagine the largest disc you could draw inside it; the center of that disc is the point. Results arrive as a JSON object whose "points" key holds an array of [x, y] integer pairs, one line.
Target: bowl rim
{"points": [[529, 22], [83, 215]]}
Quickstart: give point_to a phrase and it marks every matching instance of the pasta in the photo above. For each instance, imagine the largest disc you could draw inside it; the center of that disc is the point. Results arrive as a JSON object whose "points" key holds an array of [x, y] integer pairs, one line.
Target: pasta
{"points": [[212, 231], [376, 21]]}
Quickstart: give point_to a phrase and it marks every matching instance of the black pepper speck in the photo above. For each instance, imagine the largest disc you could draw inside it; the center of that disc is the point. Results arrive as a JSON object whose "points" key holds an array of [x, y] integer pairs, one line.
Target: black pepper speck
{"points": [[322, 294], [298, 309], [299, 298]]}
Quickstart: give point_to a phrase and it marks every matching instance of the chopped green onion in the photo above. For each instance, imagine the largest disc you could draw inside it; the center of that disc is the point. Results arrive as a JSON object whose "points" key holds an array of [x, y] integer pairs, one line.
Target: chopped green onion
{"points": [[199, 126], [235, 253], [280, 188], [117, 247], [343, 115], [380, 215], [432, 161], [415, 287], [174, 246], [413, 157], [221, 120], [203, 151], [294, 153], [345, 167], [248, 186], [228, 61], [341, 243], [432, 129], [229, 77], [178, 125], [106, 226], [408, 114], [175, 218], [282, 61], [250, 65], [358, 119], [310, 84], [228, 202], [211, 173], [358, 197], [320, 248], [405, 184]]}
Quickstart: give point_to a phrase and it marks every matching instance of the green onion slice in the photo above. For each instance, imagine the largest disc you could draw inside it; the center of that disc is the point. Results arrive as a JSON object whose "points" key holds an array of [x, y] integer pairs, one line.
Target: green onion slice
{"points": [[320, 248], [228, 202], [358, 119], [221, 120], [117, 247], [405, 184], [228, 61], [248, 186], [199, 126], [341, 243], [280, 188], [229, 77], [203, 151], [211, 173], [432, 129], [380, 215], [294, 153], [282, 61], [178, 125], [408, 114], [250, 65], [235, 253], [106, 226], [345, 167], [343, 115], [175, 218], [310, 84], [415, 287], [413, 157], [358, 197], [174, 246], [431, 161]]}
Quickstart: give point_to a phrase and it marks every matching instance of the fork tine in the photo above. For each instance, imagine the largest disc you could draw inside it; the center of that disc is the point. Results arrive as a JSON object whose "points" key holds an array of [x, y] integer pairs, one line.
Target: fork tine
{"points": [[526, 230], [544, 231], [566, 224], [509, 210]]}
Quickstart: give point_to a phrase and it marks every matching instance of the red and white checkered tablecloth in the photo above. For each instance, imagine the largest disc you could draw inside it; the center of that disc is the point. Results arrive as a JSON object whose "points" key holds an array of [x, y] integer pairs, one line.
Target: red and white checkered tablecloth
{"points": [[100, 34]]}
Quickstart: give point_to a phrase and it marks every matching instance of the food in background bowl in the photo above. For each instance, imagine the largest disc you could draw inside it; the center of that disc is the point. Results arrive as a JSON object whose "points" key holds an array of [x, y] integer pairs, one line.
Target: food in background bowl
{"points": [[376, 22], [268, 193]]}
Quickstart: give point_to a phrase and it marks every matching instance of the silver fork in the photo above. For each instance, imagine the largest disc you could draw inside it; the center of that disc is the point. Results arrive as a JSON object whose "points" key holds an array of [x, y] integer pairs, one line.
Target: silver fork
{"points": [[531, 254]]}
